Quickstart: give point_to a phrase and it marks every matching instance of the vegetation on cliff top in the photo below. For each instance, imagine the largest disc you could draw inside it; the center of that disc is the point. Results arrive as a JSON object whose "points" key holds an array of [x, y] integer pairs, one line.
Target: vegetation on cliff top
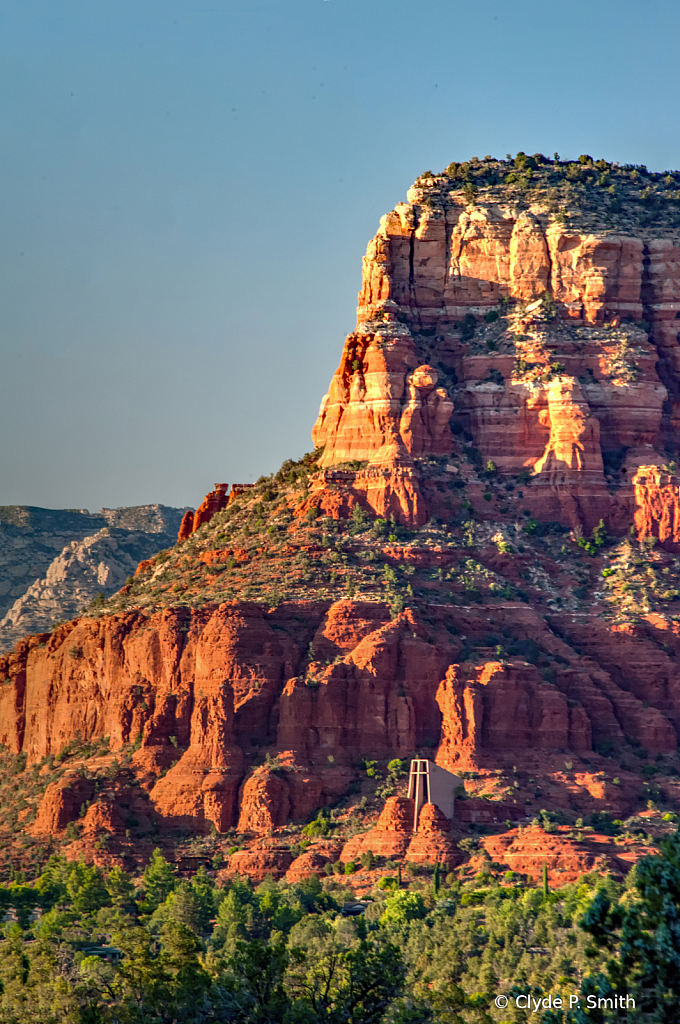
{"points": [[583, 194]]}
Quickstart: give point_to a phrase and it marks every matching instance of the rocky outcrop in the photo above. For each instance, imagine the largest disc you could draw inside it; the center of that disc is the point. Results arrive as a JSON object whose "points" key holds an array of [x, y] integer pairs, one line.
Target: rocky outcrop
{"points": [[527, 851], [657, 514], [194, 689], [381, 396], [62, 803], [504, 707], [101, 816], [394, 835], [391, 835], [186, 526], [379, 697], [210, 506], [313, 862], [563, 383], [445, 257], [265, 802], [258, 863], [54, 562], [433, 843], [213, 503]]}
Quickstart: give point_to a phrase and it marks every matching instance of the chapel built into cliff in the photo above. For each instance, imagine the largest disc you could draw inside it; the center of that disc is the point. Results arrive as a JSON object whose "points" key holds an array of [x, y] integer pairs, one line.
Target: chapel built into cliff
{"points": [[430, 784]]}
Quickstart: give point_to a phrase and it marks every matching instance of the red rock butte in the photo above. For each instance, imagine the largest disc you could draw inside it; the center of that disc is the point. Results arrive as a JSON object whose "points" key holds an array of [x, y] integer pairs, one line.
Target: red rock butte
{"points": [[500, 348], [566, 382]]}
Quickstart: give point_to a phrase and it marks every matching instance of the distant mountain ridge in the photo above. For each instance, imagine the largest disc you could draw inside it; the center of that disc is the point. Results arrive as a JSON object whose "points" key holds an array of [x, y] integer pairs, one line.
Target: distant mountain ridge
{"points": [[53, 562]]}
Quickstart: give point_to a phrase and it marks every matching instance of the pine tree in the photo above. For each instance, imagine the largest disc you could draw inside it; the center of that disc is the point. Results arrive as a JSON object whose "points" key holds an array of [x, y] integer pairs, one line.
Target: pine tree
{"points": [[641, 931], [159, 879], [184, 907]]}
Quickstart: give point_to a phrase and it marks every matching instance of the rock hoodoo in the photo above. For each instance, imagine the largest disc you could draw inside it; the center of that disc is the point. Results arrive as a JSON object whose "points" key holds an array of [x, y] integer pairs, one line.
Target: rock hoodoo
{"points": [[213, 503]]}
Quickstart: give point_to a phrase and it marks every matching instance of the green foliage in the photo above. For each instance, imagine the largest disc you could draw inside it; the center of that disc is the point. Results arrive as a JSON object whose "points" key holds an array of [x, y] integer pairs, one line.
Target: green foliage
{"points": [[359, 520], [467, 327], [86, 889], [403, 906], [97, 603], [396, 768], [598, 539], [321, 826], [337, 984], [367, 860], [641, 936], [159, 880], [281, 954]]}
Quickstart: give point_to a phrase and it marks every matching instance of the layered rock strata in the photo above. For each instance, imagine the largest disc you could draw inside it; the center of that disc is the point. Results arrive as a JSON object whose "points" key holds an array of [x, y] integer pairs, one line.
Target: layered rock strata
{"points": [[202, 692], [500, 356], [657, 513], [562, 382]]}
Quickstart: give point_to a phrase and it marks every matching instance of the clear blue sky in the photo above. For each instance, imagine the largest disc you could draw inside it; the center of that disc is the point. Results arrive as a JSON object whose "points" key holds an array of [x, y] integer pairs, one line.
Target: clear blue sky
{"points": [[187, 190]]}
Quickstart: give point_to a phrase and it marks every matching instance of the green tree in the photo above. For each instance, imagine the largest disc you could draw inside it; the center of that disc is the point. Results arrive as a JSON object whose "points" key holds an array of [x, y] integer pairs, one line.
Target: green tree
{"points": [[402, 907], [254, 992], [86, 889], [203, 889], [183, 907], [641, 935], [119, 886], [189, 983], [232, 916], [142, 979], [339, 985], [159, 880]]}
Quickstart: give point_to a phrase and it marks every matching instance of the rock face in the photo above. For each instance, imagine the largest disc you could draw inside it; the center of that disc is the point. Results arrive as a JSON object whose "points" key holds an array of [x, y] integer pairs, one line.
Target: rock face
{"points": [[658, 506], [433, 842], [186, 526], [380, 396], [61, 804], [391, 835], [494, 344], [551, 393], [527, 851], [501, 707], [313, 861], [258, 863], [214, 502], [56, 561], [201, 689], [211, 504]]}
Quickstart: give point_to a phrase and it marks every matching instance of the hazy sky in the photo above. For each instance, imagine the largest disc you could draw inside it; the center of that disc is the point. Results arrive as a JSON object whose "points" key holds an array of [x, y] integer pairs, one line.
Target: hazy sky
{"points": [[187, 189]]}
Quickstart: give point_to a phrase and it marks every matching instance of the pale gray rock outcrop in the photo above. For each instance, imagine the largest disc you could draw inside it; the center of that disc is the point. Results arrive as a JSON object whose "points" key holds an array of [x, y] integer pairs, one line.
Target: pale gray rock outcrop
{"points": [[53, 562]]}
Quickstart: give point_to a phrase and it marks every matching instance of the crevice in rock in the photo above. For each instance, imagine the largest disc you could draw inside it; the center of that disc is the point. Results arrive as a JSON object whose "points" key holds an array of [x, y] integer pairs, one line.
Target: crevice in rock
{"points": [[664, 367], [411, 271], [549, 283]]}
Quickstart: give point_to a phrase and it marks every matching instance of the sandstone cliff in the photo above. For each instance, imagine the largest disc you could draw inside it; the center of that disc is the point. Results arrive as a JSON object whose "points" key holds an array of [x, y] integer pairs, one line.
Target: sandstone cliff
{"points": [[433, 580], [204, 693], [543, 334]]}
